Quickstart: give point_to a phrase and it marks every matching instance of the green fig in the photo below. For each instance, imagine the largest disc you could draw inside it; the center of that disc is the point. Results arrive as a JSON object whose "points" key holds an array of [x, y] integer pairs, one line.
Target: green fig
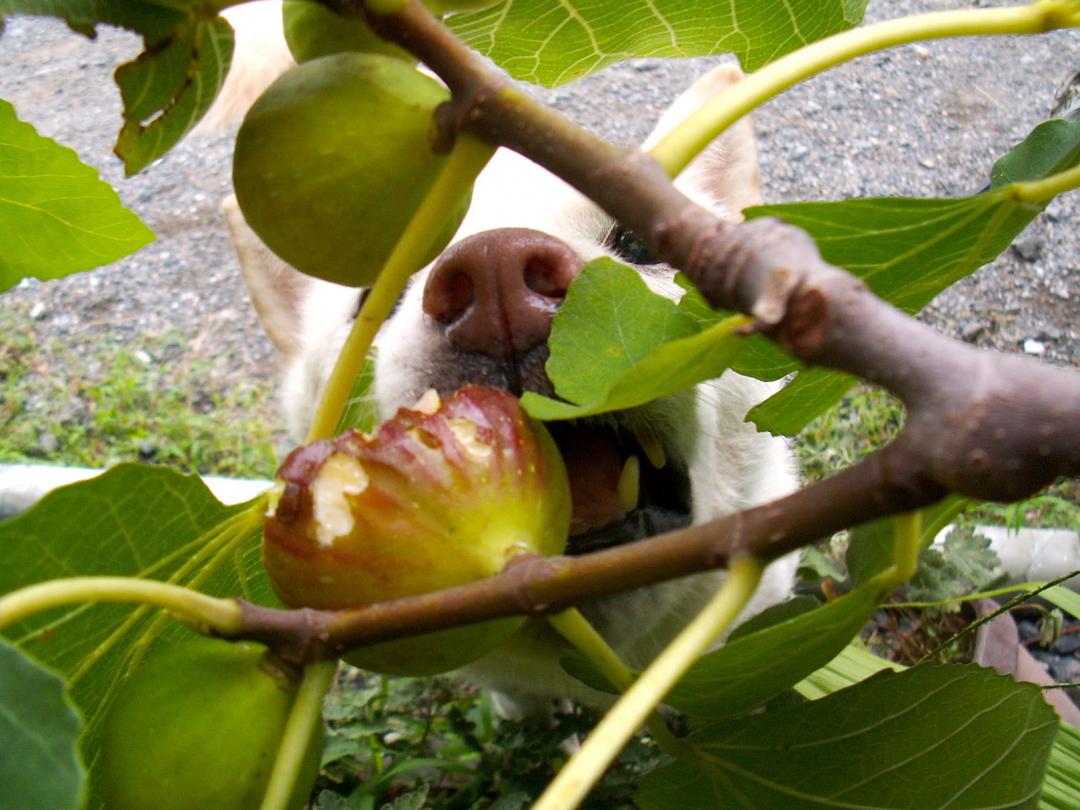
{"points": [[313, 30], [439, 496], [334, 158], [198, 725]]}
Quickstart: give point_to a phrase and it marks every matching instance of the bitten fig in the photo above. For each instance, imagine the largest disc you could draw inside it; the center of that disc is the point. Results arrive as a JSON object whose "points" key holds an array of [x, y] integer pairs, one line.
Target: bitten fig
{"points": [[440, 495], [199, 725], [313, 30], [333, 159]]}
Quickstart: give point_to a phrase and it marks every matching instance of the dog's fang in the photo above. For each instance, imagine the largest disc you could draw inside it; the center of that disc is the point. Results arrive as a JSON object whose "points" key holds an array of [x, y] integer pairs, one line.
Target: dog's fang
{"points": [[629, 487], [654, 451]]}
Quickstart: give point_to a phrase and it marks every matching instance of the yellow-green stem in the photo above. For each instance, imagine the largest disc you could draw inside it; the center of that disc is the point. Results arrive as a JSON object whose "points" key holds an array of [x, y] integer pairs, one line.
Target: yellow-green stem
{"points": [[691, 136], [583, 770], [907, 534], [1040, 191], [304, 719], [576, 629], [453, 182], [222, 615]]}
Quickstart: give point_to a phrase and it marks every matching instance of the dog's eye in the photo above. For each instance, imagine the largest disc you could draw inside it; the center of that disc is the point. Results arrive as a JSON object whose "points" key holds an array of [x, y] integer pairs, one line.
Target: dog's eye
{"points": [[628, 246]]}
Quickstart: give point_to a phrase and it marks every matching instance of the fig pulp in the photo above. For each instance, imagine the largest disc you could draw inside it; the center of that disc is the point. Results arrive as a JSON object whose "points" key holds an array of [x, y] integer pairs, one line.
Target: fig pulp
{"points": [[333, 159], [440, 495], [199, 725]]}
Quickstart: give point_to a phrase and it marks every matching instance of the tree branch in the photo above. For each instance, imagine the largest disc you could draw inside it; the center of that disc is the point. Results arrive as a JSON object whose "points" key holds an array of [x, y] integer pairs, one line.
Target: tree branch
{"points": [[990, 426]]}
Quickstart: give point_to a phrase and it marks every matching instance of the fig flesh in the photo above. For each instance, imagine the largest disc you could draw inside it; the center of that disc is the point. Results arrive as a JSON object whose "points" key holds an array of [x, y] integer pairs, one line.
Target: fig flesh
{"points": [[441, 495]]}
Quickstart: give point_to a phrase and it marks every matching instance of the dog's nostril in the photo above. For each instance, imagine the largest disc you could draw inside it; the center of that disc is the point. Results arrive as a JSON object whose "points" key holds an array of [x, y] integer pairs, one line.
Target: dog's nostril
{"points": [[497, 291], [544, 277], [458, 294]]}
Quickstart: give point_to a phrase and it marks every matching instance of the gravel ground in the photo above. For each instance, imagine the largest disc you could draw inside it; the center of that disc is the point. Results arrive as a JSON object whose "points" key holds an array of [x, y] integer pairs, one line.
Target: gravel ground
{"points": [[926, 120]]}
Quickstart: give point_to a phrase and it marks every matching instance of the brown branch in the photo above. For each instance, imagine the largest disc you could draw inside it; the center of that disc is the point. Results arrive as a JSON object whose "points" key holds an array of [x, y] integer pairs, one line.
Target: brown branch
{"points": [[878, 486], [986, 425], [990, 426]]}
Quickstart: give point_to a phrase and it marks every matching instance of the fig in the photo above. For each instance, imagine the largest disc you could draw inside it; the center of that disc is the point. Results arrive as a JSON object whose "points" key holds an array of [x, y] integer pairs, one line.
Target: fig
{"points": [[332, 160], [199, 725], [442, 494], [313, 30]]}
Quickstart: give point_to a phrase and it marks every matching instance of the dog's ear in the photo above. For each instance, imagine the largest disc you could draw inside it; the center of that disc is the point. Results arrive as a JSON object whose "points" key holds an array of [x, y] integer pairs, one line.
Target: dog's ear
{"points": [[277, 290], [260, 55], [724, 176]]}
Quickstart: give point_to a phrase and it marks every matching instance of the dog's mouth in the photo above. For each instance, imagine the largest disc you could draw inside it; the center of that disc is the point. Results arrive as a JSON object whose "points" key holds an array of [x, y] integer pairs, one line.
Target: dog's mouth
{"points": [[623, 484]]}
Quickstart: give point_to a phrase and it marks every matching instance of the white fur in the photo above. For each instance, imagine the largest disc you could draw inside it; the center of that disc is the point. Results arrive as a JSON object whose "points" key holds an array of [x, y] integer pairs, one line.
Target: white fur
{"points": [[730, 465]]}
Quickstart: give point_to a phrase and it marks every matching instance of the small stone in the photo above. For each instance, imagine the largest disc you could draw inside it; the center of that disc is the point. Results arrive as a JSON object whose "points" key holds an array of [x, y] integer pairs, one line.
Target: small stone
{"points": [[1067, 644], [48, 443], [1032, 346], [922, 52], [1065, 670], [972, 331], [1028, 629], [1028, 248], [142, 356], [926, 163], [38, 311]]}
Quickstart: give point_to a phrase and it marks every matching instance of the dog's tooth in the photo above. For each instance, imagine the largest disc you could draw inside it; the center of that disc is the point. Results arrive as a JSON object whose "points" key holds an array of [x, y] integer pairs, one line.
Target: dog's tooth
{"points": [[654, 451], [629, 487]]}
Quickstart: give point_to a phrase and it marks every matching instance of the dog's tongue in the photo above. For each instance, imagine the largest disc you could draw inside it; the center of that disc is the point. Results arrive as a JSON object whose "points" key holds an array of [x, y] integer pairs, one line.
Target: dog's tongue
{"points": [[593, 463]]}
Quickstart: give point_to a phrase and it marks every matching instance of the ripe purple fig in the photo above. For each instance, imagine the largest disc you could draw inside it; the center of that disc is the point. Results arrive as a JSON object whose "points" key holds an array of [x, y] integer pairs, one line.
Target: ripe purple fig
{"points": [[441, 495]]}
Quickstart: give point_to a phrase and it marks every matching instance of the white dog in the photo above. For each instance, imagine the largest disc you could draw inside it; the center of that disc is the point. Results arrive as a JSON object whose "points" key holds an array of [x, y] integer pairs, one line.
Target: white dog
{"points": [[699, 458]]}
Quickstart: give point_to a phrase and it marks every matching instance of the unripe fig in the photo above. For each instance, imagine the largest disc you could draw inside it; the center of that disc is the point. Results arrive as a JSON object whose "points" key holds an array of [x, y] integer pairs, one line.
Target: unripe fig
{"points": [[439, 496], [333, 159], [313, 30], [199, 725]]}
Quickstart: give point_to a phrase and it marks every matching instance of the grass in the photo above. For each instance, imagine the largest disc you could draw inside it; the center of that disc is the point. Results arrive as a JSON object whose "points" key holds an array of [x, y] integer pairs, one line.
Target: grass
{"points": [[136, 402]]}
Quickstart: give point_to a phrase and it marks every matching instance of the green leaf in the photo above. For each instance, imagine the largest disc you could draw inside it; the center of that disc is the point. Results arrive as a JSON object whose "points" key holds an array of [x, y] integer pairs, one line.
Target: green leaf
{"points": [[168, 89], [172, 84], [57, 216], [1067, 600], [151, 19], [964, 564], [870, 549], [361, 411], [955, 736], [750, 669], [615, 344], [1052, 147], [761, 660], [39, 727], [907, 250], [1060, 787], [852, 664], [133, 520], [551, 42]]}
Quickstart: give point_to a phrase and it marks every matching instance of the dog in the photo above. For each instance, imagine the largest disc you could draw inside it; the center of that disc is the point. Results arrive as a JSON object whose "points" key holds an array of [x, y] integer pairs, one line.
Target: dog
{"points": [[700, 458]]}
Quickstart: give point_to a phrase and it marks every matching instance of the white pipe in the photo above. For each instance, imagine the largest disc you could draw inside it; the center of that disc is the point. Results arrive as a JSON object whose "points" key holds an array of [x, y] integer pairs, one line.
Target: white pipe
{"points": [[23, 485]]}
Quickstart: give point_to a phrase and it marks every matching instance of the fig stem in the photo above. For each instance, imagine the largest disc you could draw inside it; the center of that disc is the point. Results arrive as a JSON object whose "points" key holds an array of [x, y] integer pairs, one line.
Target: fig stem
{"points": [[304, 719], [465, 161], [224, 616], [1041, 191], [588, 764], [576, 629], [675, 150], [907, 536]]}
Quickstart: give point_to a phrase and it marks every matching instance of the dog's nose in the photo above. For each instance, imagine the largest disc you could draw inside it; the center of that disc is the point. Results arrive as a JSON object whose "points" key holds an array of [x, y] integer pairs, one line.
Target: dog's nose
{"points": [[497, 291]]}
